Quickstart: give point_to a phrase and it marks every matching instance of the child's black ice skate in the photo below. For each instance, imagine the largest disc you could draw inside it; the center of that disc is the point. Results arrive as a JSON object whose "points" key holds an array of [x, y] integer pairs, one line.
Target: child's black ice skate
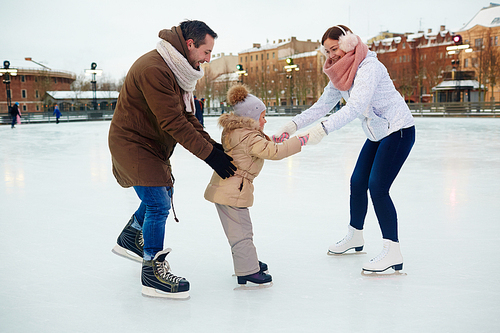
{"points": [[130, 243], [263, 267], [157, 281], [258, 278]]}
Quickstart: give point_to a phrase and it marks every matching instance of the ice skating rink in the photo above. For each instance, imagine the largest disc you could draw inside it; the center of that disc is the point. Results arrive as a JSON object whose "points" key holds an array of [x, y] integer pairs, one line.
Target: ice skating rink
{"points": [[61, 211]]}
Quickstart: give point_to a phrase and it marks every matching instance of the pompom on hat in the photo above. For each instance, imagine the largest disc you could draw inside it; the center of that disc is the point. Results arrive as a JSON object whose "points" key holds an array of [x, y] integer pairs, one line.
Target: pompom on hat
{"points": [[244, 103]]}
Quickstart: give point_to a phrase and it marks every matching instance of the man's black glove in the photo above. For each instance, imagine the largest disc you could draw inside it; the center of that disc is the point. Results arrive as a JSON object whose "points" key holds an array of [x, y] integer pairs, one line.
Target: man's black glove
{"points": [[221, 163], [218, 146]]}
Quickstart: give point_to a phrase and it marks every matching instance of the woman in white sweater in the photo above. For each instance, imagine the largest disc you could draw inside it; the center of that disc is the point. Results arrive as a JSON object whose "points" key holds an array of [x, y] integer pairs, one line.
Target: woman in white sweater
{"points": [[363, 81]]}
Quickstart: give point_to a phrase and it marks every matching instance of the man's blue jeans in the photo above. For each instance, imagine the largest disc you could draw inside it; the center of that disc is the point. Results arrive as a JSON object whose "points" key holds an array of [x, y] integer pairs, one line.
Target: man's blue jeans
{"points": [[377, 166], [152, 217]]}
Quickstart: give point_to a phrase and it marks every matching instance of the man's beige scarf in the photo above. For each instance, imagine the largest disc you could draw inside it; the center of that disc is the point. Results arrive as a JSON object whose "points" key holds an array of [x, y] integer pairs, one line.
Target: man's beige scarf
{"points": [[185, 75]]}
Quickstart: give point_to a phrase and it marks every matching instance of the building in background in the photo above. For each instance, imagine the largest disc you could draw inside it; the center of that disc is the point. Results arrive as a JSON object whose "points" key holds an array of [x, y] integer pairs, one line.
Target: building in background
{"points": [[416, 61], [80, 100], [218, 77], [30, 84], [482, 34]]}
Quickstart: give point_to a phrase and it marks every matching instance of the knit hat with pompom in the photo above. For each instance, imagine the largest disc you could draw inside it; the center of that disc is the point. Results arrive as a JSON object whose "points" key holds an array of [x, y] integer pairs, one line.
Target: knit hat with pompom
{"points": [[244, 103]]}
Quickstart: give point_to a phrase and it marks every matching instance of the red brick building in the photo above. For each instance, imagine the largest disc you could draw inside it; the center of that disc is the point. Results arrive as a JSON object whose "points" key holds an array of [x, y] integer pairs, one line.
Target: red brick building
{"points": [[28, 87], [416, 62]]}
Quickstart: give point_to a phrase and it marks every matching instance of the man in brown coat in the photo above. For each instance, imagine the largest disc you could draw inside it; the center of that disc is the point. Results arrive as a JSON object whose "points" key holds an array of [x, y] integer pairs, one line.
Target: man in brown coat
{"points": [[155, 110]]}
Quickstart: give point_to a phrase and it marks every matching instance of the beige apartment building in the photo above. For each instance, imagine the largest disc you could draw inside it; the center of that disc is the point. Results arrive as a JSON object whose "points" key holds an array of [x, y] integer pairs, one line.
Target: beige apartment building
{"points": [[482, 34], [264, 73]]}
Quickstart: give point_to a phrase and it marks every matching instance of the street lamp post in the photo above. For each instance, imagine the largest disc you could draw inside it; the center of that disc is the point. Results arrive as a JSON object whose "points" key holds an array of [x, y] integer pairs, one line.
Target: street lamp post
{"points": [[457, 49], [241, 73], [290, 67], [94, 71], [7, 72]]}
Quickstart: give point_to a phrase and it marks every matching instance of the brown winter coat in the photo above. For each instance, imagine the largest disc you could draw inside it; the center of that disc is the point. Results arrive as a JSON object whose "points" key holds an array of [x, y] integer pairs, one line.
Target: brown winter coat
{"points": [[249, 147], [149, 120]]}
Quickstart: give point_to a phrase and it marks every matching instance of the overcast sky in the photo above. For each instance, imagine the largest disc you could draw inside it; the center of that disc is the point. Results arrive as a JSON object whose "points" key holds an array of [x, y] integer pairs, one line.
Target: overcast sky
{"points": [[70, 35]]}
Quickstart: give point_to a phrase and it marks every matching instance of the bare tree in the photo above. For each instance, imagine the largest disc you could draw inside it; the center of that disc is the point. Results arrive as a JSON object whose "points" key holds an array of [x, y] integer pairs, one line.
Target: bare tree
{"points": [[491, 63], [43, 83]]}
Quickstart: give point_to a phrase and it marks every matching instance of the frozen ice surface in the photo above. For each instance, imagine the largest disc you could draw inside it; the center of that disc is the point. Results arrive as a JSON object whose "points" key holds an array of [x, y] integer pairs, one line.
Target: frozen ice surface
{"points": [[61, 211]]}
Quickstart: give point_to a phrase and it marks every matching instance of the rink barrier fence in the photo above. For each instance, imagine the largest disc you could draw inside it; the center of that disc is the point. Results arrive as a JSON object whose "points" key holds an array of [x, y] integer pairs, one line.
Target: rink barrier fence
{"points": [[469, 109]]}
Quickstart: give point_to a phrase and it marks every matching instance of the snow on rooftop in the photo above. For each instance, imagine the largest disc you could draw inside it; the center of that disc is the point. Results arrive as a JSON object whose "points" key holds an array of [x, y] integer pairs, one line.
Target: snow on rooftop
{"points": [[487, 17]]}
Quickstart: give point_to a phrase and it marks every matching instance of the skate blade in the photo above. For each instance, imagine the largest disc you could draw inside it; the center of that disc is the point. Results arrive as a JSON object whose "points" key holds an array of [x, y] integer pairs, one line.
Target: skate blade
{"points": [[382, 274], [152, 292], [122, 252], [254, 286], [346, 253]]}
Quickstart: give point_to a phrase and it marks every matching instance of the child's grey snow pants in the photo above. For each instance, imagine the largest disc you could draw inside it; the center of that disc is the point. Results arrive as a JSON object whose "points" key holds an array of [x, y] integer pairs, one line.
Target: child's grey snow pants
{"points": [[238, 228]]}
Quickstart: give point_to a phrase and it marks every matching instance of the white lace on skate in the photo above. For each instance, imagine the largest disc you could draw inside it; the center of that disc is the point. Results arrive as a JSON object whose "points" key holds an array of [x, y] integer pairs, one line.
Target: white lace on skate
{"points": [[141, 240], [346, 239], [163, 269], [382, 254]]}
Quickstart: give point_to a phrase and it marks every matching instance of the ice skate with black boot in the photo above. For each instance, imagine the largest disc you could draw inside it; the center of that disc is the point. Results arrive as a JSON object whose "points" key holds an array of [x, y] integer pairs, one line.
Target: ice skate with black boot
{"points": [[130, 243], [257, 278], [158, 281], [263, 267]]}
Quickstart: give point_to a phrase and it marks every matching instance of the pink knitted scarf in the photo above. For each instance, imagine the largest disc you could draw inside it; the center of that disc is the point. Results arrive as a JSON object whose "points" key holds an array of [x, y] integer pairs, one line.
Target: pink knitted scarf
{"points": [[343, 71]]}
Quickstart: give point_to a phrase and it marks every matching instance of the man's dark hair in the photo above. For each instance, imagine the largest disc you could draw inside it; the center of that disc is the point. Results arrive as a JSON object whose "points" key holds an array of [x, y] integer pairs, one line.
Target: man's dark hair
{"points": [[197, 31]]}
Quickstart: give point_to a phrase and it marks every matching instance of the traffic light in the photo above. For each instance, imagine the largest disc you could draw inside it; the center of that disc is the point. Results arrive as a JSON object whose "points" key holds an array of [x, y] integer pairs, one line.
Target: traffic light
{"points": [[457, 39], [239, 67], [289, 61]]}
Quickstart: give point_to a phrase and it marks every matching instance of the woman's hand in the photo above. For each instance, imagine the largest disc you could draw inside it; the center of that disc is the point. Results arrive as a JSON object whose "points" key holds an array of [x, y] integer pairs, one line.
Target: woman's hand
{"points": [[315, 134], [284, 132]]}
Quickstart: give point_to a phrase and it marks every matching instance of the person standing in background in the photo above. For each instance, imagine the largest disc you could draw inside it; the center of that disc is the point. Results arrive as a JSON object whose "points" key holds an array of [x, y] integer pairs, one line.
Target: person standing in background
{"points": [[57, 113]]}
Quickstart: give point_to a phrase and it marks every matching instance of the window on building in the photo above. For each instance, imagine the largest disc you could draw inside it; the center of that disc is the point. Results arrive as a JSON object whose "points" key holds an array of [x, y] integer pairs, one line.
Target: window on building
{"points": [[268, 56], [478, 42], [36, 94], [24, 108], [38, 107], [273, 55], [404, 45], [36, 78], [262, 56], [466, 63], [55, 80], [474, 62], [251, 58], [23, 93], [496, 40], [23, 79], [241, 59]]}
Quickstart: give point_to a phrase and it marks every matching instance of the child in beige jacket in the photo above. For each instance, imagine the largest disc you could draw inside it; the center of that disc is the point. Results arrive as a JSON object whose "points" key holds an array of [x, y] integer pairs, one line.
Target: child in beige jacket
{"points": [[244, 140]]}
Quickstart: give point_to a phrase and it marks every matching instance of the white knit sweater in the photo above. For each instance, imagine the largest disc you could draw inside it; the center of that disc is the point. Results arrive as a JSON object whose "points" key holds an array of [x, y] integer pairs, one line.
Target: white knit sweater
{"points": [[372, 98]]}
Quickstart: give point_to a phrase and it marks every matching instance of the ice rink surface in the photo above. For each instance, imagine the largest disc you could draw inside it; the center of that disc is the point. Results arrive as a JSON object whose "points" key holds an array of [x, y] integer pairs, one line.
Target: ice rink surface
{"points": [[61, 211]]}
